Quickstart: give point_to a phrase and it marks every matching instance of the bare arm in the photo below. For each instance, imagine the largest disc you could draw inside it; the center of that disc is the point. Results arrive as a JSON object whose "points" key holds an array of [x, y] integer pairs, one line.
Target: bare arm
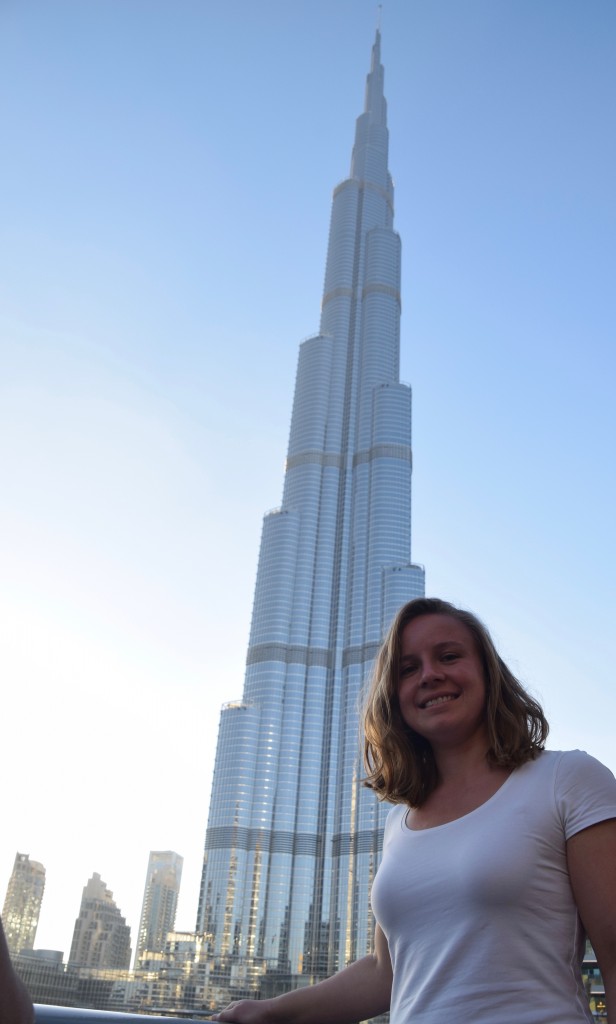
{"points": [[15, 1003], [591, 858], [360, 991]]}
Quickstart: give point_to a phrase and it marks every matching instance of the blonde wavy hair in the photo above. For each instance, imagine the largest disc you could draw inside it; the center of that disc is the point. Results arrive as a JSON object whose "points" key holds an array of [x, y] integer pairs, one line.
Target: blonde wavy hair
{"points": [[400, 764]]}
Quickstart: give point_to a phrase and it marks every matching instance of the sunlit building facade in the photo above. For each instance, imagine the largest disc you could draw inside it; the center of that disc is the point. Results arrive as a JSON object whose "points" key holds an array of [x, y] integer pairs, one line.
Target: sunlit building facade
{"points": [[294, 838], [22, 903], [160, 900], [101, 938]]}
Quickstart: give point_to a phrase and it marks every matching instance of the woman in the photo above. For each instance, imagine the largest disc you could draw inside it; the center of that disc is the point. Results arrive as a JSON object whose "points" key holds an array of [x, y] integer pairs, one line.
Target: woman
{"points": [[493, 851]]}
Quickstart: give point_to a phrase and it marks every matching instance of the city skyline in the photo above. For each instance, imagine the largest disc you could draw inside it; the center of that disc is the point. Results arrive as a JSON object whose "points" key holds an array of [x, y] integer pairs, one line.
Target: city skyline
{"points": [[151, 224]]}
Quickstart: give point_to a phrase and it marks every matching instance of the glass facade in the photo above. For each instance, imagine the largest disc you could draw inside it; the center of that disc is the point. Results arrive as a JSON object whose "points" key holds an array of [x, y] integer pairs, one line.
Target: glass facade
{"points": [[22, 903], [160, 900], [294, 838]]}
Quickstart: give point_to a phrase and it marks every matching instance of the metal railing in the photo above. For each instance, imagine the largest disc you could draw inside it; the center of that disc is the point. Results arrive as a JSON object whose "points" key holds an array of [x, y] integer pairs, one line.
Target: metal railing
{"points": [[73, 1015]]}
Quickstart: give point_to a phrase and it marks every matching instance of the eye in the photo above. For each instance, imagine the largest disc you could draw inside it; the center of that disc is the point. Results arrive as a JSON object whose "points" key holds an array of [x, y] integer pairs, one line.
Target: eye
{"points": [[408, 669], [450, 656]]}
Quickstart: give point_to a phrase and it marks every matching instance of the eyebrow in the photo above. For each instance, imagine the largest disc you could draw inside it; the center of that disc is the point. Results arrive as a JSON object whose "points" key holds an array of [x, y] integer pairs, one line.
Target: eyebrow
{"points": [[441, 646]]}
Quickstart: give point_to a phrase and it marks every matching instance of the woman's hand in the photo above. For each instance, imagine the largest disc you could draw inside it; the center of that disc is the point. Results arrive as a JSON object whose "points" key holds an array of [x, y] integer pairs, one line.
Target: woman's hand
{"points": [[358, 992], [246, 1011]]}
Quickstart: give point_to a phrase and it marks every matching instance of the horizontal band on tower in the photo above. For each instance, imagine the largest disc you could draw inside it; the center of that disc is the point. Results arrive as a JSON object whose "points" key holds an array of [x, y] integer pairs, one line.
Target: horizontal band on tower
{"points": [[384, 289], [296, 654], [315, 457], [363, 654], [302, 654], [337, 293], [366, 841], [384, 451], [265, 840]]}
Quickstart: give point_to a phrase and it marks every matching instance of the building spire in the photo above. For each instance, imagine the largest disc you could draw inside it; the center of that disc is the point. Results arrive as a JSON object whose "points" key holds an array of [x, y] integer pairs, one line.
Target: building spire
{"points": [[369, 159], [376, 52], [376, 49], [375, 102]]}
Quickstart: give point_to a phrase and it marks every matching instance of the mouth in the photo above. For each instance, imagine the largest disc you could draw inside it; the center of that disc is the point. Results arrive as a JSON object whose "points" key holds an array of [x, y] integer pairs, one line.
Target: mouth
{"points": [[443, 699]]}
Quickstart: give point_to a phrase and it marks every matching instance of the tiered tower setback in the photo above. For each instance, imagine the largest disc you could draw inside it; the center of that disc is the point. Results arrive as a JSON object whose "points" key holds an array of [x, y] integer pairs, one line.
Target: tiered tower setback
{"points": [[294, 838], [101, 938]]}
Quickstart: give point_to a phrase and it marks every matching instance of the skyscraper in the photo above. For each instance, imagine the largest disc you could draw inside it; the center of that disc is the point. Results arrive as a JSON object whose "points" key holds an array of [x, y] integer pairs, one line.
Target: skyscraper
{"points": [[22, 904], [294, 838], [101, 938], [160, 900]]}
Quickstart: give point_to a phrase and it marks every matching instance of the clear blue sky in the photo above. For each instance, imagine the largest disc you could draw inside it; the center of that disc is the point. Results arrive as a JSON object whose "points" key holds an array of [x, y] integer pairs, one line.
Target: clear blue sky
{"points": [[164, 204]]}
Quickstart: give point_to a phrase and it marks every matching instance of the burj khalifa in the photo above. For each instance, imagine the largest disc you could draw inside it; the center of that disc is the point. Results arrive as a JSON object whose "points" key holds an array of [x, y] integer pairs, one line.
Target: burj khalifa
{"points": [[294, 837]]}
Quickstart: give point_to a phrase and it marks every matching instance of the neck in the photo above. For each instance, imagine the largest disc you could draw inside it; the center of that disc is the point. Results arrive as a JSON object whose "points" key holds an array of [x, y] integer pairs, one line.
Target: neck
{"points": [[460, 763]]}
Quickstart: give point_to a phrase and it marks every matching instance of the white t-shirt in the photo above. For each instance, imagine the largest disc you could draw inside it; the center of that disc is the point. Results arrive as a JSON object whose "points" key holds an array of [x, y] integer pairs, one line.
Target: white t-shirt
{"points": [[478, 913]]}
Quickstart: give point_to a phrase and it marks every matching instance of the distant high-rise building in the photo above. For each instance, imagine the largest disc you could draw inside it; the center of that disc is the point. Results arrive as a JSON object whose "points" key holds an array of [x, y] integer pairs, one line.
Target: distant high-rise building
{"points": [[101, 938], [294, 838], [22, 904], [160, 900]]}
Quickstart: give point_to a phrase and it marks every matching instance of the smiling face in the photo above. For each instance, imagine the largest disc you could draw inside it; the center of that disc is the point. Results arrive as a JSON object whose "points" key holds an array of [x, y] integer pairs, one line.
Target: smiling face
{"points": [[441, 690]]}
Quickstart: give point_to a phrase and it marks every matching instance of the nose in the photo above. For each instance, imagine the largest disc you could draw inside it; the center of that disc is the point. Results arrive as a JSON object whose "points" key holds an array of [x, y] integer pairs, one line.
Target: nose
{"points": [[431, 672]]}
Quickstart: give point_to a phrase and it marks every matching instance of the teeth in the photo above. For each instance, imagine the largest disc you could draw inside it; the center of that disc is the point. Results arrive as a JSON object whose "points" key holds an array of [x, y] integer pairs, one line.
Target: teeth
{"points": [[438, 700]]}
